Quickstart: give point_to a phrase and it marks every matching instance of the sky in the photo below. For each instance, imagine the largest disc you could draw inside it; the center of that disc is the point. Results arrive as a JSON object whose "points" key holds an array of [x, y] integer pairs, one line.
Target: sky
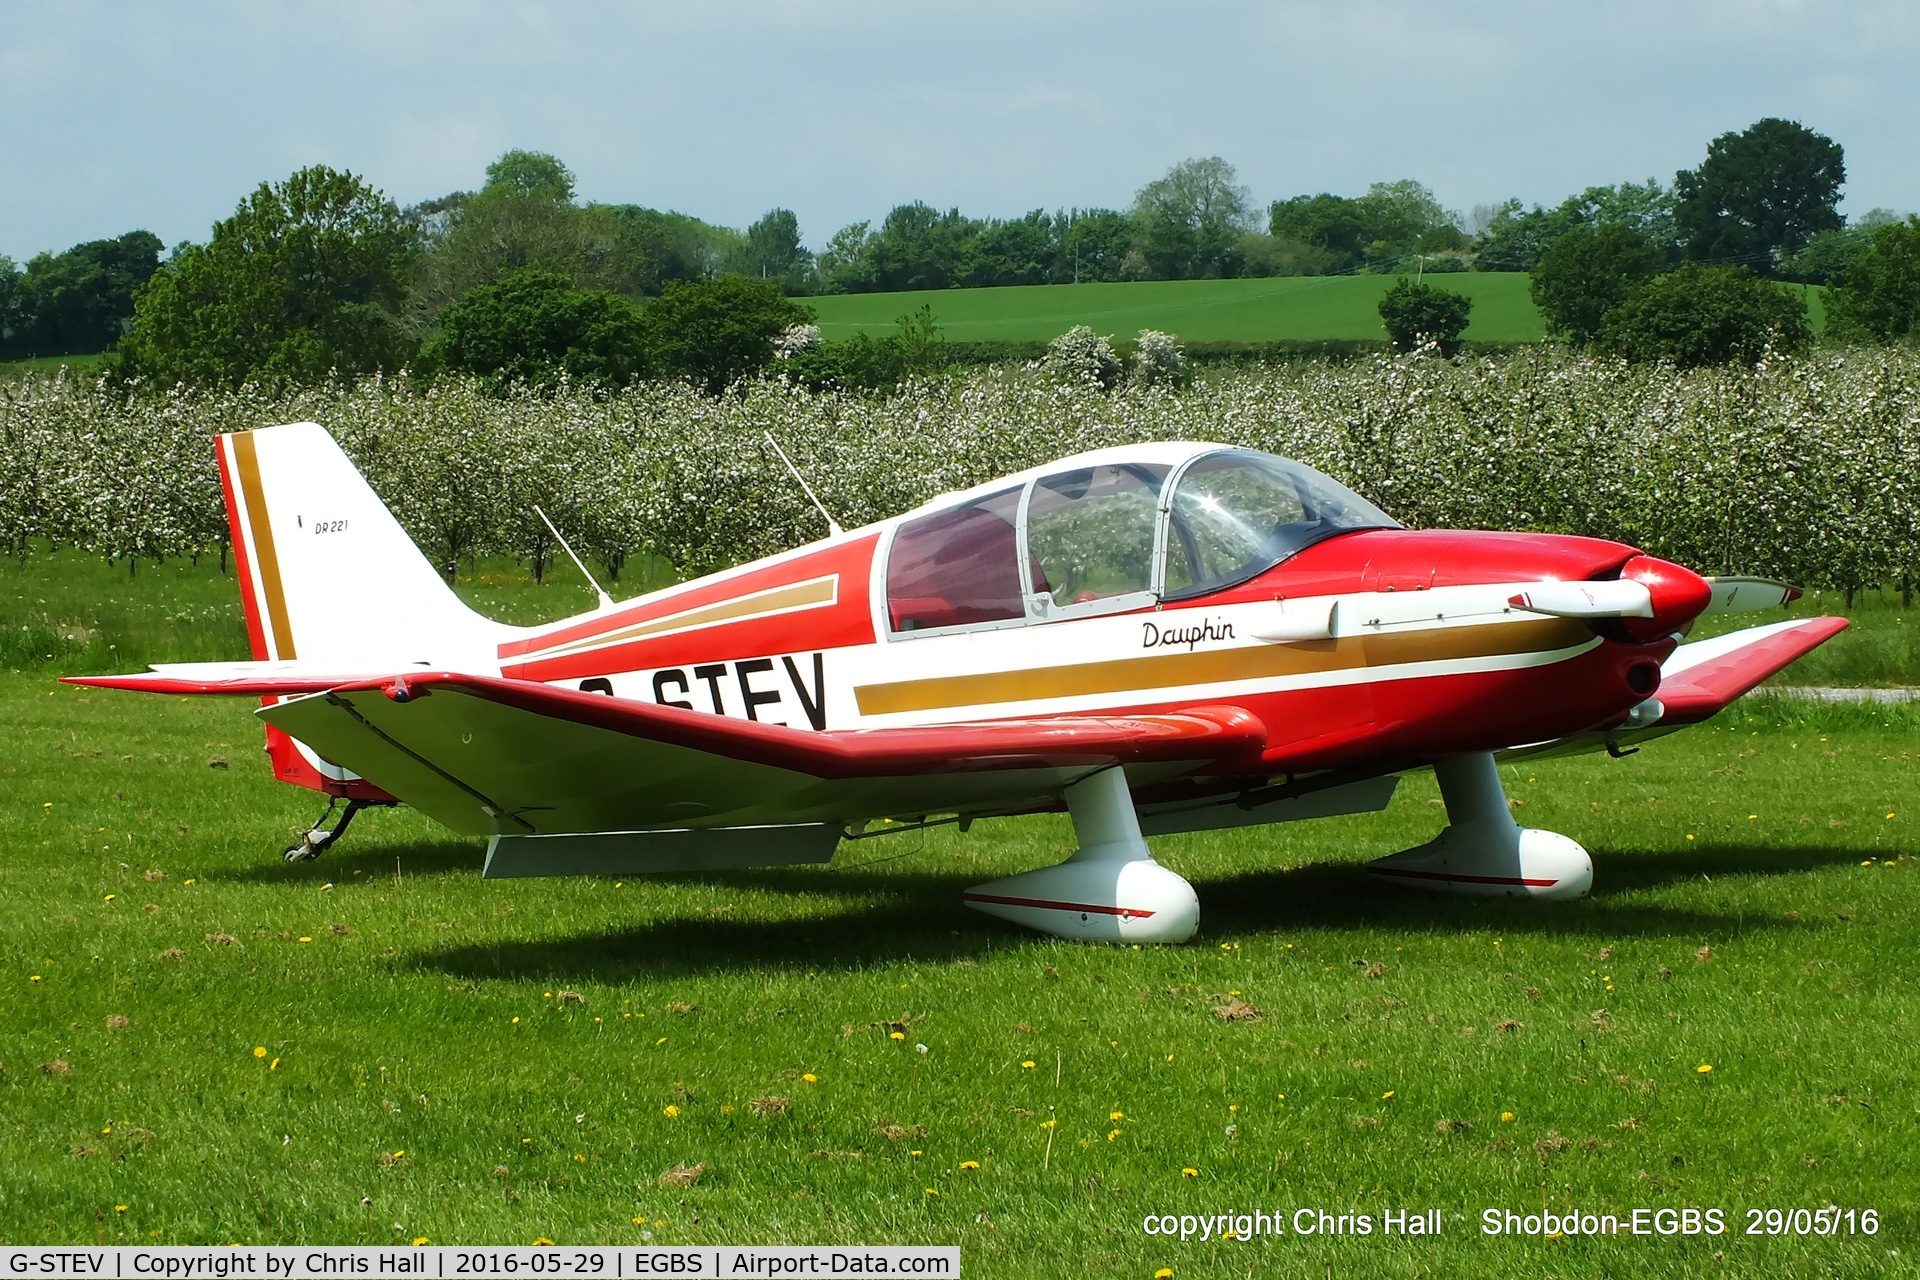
{"points": [[162, 115]]}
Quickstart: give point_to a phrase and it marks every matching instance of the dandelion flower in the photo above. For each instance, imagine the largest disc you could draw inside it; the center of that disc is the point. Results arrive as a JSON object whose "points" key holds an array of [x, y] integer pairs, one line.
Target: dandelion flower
{"points": [[657, 1043], [670, 1111], [932, 1191], [1506, 1117], [1388, 1094], [306, 939], [110, 897], [119, 1208], [1189, 1173], [1048, 1124], [1112, 1134], [516, 1019], [1704, 1067], [1164, 1273], [1116, 1115], [897, 1035], [1026, 1066], [639, 1222], [274, 1065], [259, 1051], [811, 1078], [34, 978], [725, 1110], [543, 1240], [418, 1241], [969, 1164]]}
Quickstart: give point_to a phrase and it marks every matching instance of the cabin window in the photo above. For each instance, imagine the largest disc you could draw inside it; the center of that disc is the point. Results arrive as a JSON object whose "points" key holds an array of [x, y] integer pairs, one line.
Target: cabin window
{"points": [[1234, 515], [957, 566], [1090, 532]]}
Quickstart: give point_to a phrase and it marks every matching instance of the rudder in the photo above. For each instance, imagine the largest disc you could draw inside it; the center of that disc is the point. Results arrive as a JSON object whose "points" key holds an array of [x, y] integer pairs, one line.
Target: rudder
{"points": [[327, 573]]}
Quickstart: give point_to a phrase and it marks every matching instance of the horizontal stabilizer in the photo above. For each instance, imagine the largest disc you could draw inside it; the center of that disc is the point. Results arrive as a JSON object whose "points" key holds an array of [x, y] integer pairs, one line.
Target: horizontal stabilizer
{"points": [[242, 679]]}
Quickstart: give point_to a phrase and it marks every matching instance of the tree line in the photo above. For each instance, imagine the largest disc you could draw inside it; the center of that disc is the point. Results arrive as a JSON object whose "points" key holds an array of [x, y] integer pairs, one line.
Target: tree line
{"points": [[321, 275]]}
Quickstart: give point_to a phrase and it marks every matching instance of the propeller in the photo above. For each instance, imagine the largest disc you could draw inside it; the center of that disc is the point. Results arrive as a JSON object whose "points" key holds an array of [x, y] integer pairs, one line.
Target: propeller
{"points": [[1749, 595]]}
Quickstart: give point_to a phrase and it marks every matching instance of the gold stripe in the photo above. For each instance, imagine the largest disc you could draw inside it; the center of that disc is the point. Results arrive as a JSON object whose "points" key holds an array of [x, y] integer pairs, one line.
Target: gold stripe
{"points": [[800, 596], [1166, 671], [247, 462]]}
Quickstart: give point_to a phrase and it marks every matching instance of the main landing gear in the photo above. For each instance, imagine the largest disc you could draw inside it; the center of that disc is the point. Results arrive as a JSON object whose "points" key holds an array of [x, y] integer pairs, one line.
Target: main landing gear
{"points": [[1111, 890], [1483, 850], [318, 839]]}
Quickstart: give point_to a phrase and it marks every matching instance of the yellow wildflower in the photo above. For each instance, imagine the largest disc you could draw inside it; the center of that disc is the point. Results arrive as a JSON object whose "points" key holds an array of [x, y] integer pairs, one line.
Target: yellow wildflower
{"points": [[259, 1051], [1116, 1115], [969, 1164], [811, 1078], [932, 1192], [1189, 1173], [1026, 1066], [1506, 1117], [670, 1111], [1704, 1067], [898, 1035]]}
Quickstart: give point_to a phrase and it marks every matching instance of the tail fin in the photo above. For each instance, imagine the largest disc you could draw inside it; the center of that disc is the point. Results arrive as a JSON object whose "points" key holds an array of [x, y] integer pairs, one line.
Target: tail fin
{"points": [[327, 574]]}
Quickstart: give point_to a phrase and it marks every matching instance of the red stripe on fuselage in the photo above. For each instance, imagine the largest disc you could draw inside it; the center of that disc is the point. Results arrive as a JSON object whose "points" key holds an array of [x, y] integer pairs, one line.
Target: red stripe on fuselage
{"points": [[1088, 908], [845, 623]]}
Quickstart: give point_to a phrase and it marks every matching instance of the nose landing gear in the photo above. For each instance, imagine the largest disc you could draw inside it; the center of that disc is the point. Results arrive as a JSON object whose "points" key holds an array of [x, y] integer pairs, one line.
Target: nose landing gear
{"points": [[1483, 850]]}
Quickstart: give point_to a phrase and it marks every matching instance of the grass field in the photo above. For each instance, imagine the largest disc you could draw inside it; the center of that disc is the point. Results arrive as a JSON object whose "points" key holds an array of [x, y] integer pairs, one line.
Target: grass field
{"points": [[380, 1046], [82, 366], [1303, 309]]}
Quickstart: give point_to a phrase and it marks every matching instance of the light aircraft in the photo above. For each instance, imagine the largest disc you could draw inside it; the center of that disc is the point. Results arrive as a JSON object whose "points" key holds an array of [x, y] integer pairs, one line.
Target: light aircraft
{"points": [[1157, 638]]}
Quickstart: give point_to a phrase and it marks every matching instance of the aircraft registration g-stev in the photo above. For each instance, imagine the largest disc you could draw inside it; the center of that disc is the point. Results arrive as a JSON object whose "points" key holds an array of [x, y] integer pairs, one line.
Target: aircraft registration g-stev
{"points": [[1157, 638]]}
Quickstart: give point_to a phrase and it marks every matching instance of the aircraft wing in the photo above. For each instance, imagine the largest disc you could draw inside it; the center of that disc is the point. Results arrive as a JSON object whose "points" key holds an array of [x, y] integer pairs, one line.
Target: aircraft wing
{"points": [[1697, 681], [484, 755]]}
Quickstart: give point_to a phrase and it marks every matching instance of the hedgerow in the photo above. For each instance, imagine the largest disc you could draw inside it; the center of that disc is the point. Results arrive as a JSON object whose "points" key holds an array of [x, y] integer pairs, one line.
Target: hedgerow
{"points": [[1805, 468]]}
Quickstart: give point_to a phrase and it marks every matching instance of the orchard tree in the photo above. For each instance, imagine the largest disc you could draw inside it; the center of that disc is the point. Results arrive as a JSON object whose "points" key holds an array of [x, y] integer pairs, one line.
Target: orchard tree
{"points": [[1763, 190], [1588, 271], [304, 281]]}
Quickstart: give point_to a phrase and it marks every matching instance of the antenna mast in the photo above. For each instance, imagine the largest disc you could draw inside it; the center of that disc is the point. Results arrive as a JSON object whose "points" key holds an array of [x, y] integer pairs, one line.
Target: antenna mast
{"points": [[833, 526], [606, 601]]}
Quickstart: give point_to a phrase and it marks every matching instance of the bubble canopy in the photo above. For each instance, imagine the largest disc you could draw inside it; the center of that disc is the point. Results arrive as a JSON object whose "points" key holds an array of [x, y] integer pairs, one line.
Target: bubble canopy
{"points": [[1109, 531]]}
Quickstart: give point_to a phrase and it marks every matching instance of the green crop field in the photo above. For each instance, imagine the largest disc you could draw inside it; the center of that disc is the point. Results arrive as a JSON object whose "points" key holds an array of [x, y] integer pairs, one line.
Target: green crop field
{"points": [[203, 1044], [1304, 309], [1299, 309]]}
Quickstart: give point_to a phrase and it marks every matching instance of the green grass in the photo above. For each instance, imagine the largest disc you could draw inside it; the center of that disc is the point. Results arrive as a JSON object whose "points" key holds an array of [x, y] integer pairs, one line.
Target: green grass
{"points": [[1299, 309], [394, 1030], [82, 366]]}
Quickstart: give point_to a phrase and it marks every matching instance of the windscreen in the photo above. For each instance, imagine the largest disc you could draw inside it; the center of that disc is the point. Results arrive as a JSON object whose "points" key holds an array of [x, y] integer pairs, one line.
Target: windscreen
{"points": [[1237, 514]]}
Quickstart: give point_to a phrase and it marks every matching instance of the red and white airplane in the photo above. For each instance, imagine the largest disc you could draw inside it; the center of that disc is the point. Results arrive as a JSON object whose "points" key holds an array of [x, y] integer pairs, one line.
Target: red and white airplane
{"points": [[1157, 638]]}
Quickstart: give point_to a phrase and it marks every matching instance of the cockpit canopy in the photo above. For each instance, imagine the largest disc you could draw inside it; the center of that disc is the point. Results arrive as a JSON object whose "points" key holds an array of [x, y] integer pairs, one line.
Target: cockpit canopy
{"points": [[1113, 534]]}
